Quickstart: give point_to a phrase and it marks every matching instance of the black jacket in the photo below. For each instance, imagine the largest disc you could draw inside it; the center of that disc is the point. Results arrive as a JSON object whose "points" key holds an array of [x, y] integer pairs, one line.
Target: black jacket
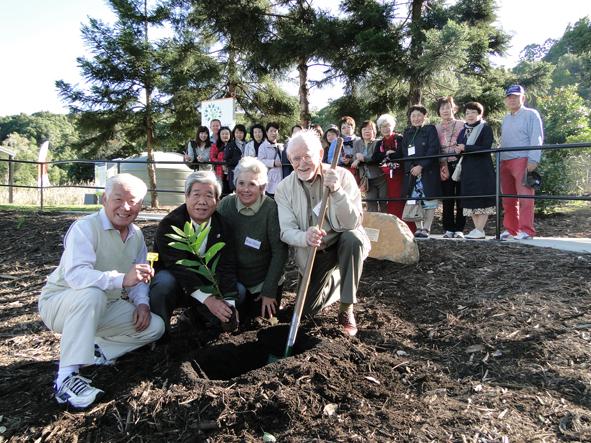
{"points": [[189, 280], [232, 154], [478, 172], [426, 142]]}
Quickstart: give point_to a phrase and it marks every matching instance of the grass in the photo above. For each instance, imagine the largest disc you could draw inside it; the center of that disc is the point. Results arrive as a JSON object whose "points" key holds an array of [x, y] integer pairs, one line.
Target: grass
{"points": [[53, 197], [566, 207], [49, 208]]}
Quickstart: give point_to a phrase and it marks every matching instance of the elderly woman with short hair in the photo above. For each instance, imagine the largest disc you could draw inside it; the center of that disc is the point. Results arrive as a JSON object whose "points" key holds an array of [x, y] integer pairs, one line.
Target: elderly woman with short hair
{"points": [[369, 168], [254, 224], [390, 143], [421, 179], [448, 131], [478, 172]]}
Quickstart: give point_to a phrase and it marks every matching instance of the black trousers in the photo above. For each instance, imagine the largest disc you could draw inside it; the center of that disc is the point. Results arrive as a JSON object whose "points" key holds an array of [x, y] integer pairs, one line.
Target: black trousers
{"points": [[166, 295], [453, 217]]}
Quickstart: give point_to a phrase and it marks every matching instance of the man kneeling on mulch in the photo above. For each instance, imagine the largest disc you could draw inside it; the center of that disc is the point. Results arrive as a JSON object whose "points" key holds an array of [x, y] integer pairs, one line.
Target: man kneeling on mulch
{"points": [[104, 261]]}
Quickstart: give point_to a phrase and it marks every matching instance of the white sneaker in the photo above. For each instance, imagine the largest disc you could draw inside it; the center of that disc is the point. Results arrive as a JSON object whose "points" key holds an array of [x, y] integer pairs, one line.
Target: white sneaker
{"points": [[475, 234], [506, 235], [448, 234], [100, 359], [77, 392], [523, 236], [458, 234]]}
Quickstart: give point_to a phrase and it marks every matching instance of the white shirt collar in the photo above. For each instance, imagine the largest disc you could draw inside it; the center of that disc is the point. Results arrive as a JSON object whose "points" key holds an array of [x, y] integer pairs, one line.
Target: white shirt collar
{"points": [[107, 225]]}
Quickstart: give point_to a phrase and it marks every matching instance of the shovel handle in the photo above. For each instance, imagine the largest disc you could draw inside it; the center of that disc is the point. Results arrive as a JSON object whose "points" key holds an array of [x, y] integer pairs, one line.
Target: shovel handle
{"points": [[303, 289]]}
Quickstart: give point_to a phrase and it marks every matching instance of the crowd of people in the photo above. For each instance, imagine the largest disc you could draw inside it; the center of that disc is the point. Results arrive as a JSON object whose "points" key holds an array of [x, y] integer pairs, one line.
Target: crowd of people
{"points": [[106, 300], [387, 182]]}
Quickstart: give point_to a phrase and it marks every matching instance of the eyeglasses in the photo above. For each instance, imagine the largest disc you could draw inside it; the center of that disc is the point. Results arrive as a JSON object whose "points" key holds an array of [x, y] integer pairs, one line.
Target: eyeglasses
{"points": [[298, 159]]}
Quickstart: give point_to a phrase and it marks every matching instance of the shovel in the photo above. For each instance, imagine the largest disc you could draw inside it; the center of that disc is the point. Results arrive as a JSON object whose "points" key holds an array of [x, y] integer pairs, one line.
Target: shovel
{"points": [[303, 289]]}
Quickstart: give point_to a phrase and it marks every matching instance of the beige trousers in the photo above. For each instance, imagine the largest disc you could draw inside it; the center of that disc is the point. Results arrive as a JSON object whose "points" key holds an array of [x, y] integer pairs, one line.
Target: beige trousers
{"points": [[85, 317]]}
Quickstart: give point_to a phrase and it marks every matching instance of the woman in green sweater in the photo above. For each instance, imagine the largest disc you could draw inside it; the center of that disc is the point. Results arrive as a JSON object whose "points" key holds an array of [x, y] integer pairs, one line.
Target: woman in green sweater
{"points": [[252, 217]]}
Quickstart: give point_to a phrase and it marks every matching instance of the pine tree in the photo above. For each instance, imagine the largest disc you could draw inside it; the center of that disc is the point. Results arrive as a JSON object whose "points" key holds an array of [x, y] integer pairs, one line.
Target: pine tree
{"points": [[240, 29], [136, 82]]}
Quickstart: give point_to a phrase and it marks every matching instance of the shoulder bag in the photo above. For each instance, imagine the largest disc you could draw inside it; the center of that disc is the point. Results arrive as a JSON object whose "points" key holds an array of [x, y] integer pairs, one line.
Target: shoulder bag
{"points": [[413, 209]]}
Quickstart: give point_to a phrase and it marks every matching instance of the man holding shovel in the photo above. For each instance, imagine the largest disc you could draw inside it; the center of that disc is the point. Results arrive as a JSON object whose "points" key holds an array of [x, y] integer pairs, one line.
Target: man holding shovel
{"points": [[342, 244]]}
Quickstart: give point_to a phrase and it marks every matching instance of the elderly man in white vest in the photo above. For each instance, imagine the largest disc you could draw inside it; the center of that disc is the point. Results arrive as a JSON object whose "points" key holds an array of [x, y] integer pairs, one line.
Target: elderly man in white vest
{"points": [[97, 298]]}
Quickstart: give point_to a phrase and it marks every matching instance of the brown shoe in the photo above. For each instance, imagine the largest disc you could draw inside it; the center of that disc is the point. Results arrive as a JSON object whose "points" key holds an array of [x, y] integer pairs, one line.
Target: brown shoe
{"points": [[347, 321]]}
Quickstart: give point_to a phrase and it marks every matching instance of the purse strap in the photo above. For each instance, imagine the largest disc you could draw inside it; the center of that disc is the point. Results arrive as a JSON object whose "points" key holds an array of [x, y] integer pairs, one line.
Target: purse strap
{"points": [[451, 133], [411, 185]]}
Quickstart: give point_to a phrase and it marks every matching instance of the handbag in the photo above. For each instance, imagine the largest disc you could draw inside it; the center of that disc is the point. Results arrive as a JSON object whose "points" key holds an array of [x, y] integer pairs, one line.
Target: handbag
{"points": [[457, 175], [413, 209], [362, 179]]}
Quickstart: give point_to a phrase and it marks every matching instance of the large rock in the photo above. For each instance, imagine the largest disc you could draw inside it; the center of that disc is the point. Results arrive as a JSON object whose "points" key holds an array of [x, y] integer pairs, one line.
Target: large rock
{"points": [[391, 239]]}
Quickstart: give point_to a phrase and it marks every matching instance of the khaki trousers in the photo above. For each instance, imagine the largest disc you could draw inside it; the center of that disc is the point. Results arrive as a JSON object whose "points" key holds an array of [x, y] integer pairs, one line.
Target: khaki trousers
{"points": [[336, 273], [85, 317]]}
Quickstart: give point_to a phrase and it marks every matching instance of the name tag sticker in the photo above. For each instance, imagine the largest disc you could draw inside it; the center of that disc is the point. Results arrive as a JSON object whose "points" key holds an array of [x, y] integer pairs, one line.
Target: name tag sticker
{"points": [[252, 243], [411, 202], [411, 150], [316, 209]]}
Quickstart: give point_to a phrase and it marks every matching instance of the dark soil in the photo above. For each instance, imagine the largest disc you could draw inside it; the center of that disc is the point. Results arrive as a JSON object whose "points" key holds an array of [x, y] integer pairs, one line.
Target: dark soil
{"points": [[479, 342]]}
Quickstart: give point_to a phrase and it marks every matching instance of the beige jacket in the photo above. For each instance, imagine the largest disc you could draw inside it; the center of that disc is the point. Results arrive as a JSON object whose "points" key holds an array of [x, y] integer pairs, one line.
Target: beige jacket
{"points": [[344, 211]]}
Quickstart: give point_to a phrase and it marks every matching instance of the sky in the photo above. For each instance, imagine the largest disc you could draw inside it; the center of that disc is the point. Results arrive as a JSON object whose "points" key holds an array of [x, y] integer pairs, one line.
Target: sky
{"points": [[41, 40]]}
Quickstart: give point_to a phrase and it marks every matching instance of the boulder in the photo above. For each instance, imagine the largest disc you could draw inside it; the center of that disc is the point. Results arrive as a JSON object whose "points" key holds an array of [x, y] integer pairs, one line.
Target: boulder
{"points": [[391, 239]]}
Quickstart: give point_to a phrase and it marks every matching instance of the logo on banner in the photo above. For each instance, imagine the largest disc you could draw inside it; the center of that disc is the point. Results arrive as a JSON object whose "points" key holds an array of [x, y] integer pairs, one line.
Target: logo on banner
{"points": [[222, 110], [212, 111]]}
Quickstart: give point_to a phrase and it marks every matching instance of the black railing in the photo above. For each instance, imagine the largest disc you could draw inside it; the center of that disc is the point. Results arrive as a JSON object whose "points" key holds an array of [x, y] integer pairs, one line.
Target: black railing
{"points": [[497, 152]]}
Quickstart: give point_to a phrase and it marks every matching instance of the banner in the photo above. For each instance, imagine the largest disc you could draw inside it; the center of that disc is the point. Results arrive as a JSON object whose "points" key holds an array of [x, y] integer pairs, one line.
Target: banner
{"points": [[222, 109]]}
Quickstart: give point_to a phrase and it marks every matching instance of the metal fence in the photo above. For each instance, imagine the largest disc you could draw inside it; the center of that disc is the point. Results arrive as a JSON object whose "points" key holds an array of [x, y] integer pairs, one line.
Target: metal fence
{"points": [[496, 152]]}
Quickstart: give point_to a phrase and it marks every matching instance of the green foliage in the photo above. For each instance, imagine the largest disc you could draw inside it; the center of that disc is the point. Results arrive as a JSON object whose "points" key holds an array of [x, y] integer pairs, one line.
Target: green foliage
{"points": [[33, 130], [245, 58], [564, 171], [564, 113], [535, 52], [535, 77], [574, 69], [570, 56], [25, 174], [205, 265], [575, 40]]}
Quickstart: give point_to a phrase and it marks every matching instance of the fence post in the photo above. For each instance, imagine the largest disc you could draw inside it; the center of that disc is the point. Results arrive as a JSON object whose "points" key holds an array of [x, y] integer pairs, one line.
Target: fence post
{"points": [[41, 189], [10, 178], [498, 194]]}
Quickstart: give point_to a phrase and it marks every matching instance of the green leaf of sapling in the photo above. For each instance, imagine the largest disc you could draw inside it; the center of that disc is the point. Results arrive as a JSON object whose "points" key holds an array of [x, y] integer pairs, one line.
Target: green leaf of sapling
{"points": [[175, 237], [214, 265], [178, 231], [188, 263], [211, 252], [180, 246], [188, 228]]}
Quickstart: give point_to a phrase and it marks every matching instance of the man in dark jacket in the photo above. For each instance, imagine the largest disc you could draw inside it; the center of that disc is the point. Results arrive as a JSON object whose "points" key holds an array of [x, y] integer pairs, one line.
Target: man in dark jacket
{"points": [[176, 285]]}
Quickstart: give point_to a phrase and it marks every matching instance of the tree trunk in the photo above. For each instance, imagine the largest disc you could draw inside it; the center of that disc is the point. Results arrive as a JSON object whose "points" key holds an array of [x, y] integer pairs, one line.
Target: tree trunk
{"points": [[304, 93], [149, 148], [232, 75], [149, 124], [414, 92]]}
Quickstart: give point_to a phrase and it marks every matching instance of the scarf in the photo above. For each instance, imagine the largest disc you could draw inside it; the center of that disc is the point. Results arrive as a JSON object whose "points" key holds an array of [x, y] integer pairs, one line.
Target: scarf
{"points": [[471, 132]]}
